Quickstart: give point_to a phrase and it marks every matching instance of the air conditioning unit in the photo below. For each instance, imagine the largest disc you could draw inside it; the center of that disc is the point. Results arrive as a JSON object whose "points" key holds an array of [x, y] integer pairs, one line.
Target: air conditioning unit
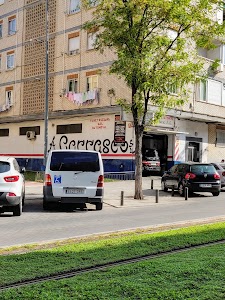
{"points": [[31, 135]]}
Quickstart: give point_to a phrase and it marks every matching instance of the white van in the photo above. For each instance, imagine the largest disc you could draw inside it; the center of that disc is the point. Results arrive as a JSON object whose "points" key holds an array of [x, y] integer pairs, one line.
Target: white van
{"points": [[73, 176]]}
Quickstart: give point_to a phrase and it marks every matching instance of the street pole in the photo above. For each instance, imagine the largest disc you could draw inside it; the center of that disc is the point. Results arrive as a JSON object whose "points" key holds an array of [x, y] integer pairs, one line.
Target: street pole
{"points": [[46, 84]]}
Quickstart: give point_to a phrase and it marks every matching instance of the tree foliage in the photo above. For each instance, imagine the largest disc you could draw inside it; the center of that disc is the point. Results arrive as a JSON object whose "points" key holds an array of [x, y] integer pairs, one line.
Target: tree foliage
{"points": [[156, 44]]}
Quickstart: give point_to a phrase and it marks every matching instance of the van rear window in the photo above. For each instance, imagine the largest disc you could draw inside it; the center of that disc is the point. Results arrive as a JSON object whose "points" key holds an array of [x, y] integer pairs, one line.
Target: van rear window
{"points": [[74, 161]]}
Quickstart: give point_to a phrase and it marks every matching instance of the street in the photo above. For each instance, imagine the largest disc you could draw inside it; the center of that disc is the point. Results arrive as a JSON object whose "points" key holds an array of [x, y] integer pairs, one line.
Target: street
{"points": [[36, 225]]}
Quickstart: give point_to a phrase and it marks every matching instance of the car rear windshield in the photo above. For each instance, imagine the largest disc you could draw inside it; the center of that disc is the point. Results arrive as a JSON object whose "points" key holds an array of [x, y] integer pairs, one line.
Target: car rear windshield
{"points": [[199, 169], [151, 154], [4, 166], [74, 161]]}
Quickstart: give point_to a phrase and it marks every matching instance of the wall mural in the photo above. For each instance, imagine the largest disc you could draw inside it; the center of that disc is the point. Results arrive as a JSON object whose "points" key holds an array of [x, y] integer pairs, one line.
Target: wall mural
{"points": [[103, 146]]}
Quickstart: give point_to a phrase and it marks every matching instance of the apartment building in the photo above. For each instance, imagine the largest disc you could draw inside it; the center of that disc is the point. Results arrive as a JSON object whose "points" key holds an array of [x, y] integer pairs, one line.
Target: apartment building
{"points": [[82, 108]]}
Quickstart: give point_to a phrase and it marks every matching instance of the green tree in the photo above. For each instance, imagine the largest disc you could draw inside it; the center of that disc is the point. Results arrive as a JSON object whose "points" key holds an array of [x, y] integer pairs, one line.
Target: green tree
{"points": [[156, 44]]}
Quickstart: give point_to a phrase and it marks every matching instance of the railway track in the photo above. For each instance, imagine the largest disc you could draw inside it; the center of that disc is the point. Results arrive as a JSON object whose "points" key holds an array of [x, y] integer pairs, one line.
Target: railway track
{"points": [[73, 273]]}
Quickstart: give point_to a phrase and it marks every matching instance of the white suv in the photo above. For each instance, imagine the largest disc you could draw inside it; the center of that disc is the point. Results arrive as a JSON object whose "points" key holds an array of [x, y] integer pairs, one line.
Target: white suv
{"points": [[12, 186]]}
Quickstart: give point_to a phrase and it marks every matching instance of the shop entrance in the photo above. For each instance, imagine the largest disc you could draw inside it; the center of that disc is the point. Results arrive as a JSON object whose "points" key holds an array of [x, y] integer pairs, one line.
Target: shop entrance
{"points": [[156, 142]]}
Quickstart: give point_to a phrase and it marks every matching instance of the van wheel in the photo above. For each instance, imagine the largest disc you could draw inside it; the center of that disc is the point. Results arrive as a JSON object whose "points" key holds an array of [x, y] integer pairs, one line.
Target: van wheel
{"points": [[46, 205], [17, 210], [99, 206]]}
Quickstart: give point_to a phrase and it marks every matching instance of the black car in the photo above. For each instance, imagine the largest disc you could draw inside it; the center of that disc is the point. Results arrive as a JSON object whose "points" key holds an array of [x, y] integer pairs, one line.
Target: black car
{"points": [[198, 177]]}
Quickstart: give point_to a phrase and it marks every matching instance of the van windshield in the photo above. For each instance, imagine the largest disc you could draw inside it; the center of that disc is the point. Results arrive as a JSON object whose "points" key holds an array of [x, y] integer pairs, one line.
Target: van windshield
{"points": [[74, 161]]}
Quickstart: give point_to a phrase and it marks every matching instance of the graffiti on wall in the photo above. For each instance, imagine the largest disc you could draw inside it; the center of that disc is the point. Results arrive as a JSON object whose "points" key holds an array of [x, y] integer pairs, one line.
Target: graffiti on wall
{"points": [[103, 146]]}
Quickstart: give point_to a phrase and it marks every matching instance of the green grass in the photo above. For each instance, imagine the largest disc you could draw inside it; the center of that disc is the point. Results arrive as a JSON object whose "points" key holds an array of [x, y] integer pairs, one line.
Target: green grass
{"points": [[196, 274], [79, 254]]}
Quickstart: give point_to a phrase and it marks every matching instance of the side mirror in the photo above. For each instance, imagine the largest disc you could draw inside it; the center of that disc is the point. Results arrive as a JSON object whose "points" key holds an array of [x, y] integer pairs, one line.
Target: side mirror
{"points": [[23, 170]]}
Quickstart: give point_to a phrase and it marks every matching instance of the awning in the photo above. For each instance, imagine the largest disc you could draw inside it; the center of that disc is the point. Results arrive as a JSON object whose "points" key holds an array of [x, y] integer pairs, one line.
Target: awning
{"points": [[164, 131]]}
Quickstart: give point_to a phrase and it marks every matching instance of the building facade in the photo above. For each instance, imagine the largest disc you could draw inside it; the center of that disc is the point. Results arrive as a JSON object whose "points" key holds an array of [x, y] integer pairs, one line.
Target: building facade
{"points": [[82, 108]]}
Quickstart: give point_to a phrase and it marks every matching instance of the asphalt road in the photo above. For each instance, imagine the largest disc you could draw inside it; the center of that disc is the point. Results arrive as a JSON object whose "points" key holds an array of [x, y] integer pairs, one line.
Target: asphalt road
{"points": [[36, 225]]}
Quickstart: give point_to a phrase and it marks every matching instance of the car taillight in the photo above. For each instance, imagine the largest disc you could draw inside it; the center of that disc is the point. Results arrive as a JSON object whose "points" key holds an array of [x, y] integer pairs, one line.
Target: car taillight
{"points": [[11, 195], [190, 176], [216, 176], [100, 181], [157, 164], [48, 181], [146, 163], [11, 178]]}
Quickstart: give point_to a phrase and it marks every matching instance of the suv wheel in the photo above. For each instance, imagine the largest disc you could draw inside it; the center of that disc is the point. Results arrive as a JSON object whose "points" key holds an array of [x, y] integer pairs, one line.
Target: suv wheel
{"points": [[164, 188], [181, 189], [215, 193], [17, 210]]}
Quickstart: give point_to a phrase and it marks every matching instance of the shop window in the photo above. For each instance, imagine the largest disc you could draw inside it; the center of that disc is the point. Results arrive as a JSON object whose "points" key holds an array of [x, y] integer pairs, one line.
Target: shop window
{"points": [[11, 25], [74, 6], [69, 128]]}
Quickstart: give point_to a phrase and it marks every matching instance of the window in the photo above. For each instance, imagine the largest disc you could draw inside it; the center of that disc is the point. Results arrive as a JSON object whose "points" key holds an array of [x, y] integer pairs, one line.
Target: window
{"points": [[0, 29], [72, 85], [220, 137], [10, 60], [4, 132], [2, 2], [74, 6], [69, 128], [91, 39], [173, 89], [12, 25], [36, 129], [202, 90], [74, 43], [211, 91], [92, 82], [9, 97]]}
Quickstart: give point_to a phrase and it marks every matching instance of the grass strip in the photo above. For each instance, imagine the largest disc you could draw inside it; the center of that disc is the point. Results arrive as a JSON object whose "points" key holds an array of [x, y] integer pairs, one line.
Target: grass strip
{"points": [[197, 274], [77, 255]]}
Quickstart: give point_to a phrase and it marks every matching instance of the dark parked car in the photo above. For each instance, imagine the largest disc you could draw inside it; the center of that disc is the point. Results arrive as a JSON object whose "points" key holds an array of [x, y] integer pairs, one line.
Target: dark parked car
{"points": [[198, 177]]}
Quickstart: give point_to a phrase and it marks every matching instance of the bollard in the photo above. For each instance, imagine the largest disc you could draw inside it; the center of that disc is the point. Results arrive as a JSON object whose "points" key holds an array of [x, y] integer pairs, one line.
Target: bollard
{"points": [[122, 198], [186, 193], [172, 194], [152, 184], [156, 196]]}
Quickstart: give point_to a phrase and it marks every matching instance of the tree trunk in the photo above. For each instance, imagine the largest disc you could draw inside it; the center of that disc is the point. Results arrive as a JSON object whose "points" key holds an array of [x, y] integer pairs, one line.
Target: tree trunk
{"points": [[138, 159]]}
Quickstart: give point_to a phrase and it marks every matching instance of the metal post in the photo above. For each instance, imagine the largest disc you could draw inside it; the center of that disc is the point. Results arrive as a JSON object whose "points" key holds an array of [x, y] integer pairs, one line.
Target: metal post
{"points": [[186, 193], [46, 84], [172, 194], [152, 184], [156, 196], [122, 198]]}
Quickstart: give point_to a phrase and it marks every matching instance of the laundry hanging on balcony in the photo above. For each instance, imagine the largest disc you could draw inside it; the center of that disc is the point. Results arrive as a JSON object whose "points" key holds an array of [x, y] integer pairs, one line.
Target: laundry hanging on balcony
{"points": [[85, 98], [5, 107]]}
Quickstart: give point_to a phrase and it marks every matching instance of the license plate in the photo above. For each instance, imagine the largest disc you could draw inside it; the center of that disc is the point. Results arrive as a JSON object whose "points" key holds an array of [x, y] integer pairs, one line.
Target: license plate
{"points": [[205, 185], [74, 191]]}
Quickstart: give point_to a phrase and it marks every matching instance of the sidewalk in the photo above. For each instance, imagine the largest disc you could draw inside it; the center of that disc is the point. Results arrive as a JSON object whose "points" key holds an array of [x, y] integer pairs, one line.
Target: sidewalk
{"points": [[113, 193]]}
